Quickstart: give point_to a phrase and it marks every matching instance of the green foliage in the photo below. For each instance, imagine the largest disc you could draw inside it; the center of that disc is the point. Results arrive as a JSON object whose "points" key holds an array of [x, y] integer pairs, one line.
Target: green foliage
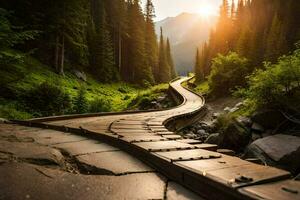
{"points": [[80, 102], [223, 122], [100, 105], [47, 99], [12, 110], [277, 85], [10, 36], [228, 72], [163, 65]]}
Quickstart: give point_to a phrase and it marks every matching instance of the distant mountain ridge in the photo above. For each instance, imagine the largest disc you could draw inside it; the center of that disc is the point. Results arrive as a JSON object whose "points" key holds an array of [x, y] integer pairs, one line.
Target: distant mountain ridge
{"points": [[186, 32]]}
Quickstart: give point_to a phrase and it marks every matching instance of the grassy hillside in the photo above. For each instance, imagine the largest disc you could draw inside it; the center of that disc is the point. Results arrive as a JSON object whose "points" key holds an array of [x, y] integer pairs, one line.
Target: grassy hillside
{"points": [[19, 80]]}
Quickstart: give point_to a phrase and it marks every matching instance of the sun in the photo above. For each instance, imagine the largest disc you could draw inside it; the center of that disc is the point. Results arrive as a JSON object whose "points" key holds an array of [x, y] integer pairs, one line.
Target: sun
{"points": [[206, 10]]}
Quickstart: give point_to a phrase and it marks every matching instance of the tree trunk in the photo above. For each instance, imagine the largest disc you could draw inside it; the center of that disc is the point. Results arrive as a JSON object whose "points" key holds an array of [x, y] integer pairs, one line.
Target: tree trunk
{"points": [[56, 53], [120, 51], [62, 61]]}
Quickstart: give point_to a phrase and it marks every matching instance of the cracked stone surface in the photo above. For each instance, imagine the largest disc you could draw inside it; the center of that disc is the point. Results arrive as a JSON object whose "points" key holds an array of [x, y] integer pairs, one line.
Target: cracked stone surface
{"points": [[46, 164], [117, 162], [31, 151], [25, 181], [85, 147], [177, 192], [50, 137]]}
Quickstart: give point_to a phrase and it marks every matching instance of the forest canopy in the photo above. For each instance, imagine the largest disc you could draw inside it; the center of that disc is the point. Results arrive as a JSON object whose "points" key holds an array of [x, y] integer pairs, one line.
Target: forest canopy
{"points": [[111, 39]]}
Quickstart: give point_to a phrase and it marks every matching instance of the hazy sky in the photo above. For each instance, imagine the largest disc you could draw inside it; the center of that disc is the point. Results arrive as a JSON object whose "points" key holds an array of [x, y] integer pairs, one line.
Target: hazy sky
{"points": [[171, 8]]}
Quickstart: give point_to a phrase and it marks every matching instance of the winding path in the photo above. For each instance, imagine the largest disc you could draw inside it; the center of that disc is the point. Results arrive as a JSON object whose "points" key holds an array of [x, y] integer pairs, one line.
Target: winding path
{"points": [[195, 166]]}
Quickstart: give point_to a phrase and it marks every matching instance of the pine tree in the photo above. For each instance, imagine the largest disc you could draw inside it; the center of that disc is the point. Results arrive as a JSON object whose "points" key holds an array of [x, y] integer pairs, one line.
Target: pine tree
{"points": [[101, 47], [164, 68], [276, 40], [140, 70], [151, 47], [197, 67], [170, 60]]}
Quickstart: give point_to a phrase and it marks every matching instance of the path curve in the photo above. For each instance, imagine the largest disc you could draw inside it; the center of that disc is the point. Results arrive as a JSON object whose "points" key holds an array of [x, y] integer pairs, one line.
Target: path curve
{"points": [[196, 166]]}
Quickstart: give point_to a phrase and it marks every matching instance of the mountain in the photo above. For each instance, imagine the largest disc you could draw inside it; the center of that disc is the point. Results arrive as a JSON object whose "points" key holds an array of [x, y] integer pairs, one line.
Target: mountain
{"points": [[186, 32]]}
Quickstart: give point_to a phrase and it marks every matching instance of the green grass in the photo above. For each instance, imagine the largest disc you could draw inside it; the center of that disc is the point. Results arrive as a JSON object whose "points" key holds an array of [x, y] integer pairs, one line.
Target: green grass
{"points": [[23, 77], [202, 88]]}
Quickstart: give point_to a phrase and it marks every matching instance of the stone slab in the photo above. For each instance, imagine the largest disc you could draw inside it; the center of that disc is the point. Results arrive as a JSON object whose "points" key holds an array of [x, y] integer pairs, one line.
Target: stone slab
{"points": [[32, 152], [117, 162], [85, 147], [23, 181], [276, 146], [49, 137]]}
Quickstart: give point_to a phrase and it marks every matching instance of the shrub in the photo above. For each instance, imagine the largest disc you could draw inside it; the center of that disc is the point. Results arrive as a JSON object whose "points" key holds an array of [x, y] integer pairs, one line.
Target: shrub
{"points": [[47, 99], [80, 102], [228, 72], [100, 105], [12, 111], [278, 85]]}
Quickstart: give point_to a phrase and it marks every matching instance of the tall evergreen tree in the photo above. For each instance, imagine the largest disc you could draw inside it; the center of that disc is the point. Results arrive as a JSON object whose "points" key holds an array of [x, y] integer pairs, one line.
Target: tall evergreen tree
{"points": [[170, 59], [140, 71], [197, 67], [101, 47], [164, 68], [151, 46]]}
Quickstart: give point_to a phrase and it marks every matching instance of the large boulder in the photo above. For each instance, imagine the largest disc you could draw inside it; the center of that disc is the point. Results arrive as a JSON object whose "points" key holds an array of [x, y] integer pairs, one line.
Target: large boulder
{"points": [[213, 139], [279, 150], [235, 137], [269, 119]]}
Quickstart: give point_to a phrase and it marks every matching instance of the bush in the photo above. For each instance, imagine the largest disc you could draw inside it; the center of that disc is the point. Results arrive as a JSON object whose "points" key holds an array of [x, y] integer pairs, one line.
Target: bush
{"points": [[80, 102], [47, 99], [276, 86], [228, 72], [100, 105], [12, 111]]}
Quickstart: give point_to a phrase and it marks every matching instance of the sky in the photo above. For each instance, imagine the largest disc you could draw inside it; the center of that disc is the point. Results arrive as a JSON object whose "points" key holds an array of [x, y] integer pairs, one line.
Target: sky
{"points": [[172, 8]]}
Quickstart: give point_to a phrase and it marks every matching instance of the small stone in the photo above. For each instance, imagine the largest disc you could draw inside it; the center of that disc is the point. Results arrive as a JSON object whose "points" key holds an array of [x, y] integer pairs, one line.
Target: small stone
{"points": [[227, 109], [238, 105], [213, 139], [232, 110], [201, 132], [255, 136], [215, 115], [246, 121], [257, 127]]}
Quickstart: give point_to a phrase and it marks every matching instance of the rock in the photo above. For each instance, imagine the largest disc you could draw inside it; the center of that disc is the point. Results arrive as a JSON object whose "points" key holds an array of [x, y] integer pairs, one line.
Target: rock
{"points": [[235, 137], [269, 119], [227, 109], [245, 121], [256, 136], [280, 149], [213, 139], [161, 98], [2, 120], [215, 115], [80, 75], [205, 127], [190, 136], [257, 128], [226, 152], [239, 105], [232, 110], [201, 132]]}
